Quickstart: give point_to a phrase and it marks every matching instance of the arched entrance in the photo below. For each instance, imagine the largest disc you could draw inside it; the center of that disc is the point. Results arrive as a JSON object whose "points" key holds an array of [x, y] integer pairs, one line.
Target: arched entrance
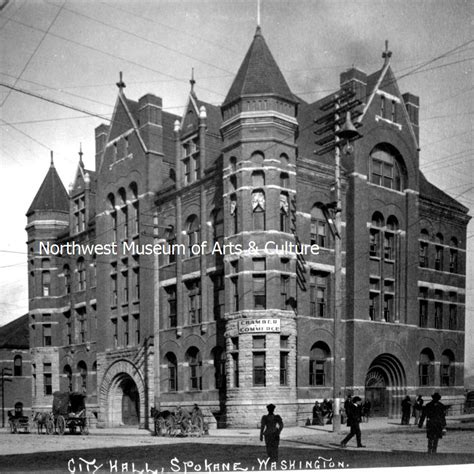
{"points": [[385, 384], [122, 396], [130, 402]]}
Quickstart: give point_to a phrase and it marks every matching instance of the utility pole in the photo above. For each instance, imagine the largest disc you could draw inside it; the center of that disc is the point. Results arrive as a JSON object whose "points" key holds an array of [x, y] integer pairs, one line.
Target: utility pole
{"points": [[337, 136], [6, 377]]}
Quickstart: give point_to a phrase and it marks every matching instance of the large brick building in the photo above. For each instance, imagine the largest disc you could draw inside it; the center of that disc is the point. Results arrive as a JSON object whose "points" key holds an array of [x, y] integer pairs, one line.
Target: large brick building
{"points": [[235, 330]]}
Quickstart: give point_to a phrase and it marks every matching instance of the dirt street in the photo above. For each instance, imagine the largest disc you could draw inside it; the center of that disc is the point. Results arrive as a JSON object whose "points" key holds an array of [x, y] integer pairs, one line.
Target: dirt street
{"points": [[301, 448]]}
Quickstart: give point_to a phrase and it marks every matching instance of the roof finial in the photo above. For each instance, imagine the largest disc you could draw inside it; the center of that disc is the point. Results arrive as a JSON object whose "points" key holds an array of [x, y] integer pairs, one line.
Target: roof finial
{"points": [[121, 85], [80, 154], [52, 160], [258, 12], [192, 81], [386, 55]]}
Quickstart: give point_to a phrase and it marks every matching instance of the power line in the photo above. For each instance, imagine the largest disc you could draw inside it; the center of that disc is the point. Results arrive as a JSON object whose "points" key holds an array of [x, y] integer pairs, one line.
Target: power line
{"points": [[35, 51]]}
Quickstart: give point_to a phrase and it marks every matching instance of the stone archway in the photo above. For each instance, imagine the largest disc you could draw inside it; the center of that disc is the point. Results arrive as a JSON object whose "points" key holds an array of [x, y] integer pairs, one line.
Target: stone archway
{"points": [[385, 385], [122, 395]]}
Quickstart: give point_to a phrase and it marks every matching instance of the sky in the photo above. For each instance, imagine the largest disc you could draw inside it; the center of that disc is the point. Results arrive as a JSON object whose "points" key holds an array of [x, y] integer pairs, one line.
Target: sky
{"points": [[71, 52]]}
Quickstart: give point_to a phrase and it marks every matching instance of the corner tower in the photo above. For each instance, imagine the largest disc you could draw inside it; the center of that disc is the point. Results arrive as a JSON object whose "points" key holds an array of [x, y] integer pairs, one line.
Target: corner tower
{"points": [[259, 174], [48, 219]]}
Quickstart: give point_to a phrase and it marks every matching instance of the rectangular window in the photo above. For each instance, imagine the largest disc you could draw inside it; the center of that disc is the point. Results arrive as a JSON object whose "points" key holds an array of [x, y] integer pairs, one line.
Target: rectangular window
{"points": [[187, 171], [453, 317], [235, 293], [47, 378], [136, 323], [113, 285], [258, 342], [374, 237], [196, 162], [259, 292], [81, 317], [124, 287], [284, 356], [394, 111], [374, 298], [377, 172], [126, 331], [438, 258], [388, 246], [423, 254], [453, 261], [259, 369], [235, 360], [172, 380], [194, 302], [388, 308], [172, 307], [284, 291], [115, 331], [47, 335], [438, 322]]}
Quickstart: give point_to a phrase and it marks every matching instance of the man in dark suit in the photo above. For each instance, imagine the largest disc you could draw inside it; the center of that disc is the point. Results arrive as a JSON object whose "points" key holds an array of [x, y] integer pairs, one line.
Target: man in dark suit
{"points": [[435, 414], [354, 417]]}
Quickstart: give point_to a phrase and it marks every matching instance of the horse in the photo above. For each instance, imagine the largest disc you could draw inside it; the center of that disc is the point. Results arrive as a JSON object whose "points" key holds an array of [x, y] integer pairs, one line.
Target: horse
{"points": [[41, 419]]}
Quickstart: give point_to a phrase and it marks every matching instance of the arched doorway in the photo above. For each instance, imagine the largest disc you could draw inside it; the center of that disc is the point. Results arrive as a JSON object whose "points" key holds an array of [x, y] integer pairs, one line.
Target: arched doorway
{"points": [[376, 391], [385, 385], [130, 402]]}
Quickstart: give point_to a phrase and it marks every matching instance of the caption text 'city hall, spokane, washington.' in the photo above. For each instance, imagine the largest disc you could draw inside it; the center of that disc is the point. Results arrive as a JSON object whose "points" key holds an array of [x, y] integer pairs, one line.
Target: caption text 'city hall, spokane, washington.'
{"points": [[249, 321]]}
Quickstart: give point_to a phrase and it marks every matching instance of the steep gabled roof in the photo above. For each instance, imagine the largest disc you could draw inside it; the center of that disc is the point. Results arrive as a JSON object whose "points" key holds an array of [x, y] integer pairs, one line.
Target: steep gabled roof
{"points": [[15, 335], [435, 194], [52, 195], [259, 74]]}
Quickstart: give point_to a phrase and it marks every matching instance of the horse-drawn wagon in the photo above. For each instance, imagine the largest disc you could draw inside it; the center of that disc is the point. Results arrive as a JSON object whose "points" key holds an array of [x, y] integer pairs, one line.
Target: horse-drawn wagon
{"points": [[18, 422], [69, 412]]}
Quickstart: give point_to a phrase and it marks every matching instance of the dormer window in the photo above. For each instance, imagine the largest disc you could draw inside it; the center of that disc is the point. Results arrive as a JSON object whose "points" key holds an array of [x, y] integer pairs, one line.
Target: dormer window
{"points": [[385, 169], [191, 161]]}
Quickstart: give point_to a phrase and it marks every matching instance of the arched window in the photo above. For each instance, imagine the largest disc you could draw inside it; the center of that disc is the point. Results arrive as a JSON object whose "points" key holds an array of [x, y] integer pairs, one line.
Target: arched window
{"points": [[113, 215], [170, 236], [377, 223], [234, 215], [124, 212], [385, 168], [319, 228], [67, 279], [82, 369], [81, 274], [439, 251], [258, 209], [453, 255], [192, 232], [172, 365], [284, 180], [233, 164], [257, 158], [284, 212], [284, 159], [135, 209], [447, 369], [319, 364], [193, 357], [426, 368], [389, 245], [18, 366], [67, 371], [217, 218], [424, 237]]}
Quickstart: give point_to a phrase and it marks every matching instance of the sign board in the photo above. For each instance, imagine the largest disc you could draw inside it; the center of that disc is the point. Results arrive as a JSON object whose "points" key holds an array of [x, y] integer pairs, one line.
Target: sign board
{"points": [[248, 326]]}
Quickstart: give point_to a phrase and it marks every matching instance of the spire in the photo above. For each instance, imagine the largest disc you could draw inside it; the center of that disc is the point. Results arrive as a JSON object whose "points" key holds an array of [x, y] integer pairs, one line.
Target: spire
{"points": [[259, 74], [52, 195], [386, 55], [121, 85], [258, 14], [81, 163], [192, 81]]}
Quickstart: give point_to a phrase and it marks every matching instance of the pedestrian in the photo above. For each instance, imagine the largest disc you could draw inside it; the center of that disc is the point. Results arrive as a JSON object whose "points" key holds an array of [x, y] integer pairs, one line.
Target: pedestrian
{"points": [[435, 414], [354, 416], [317, 414], [406, 410], [366, 410], [270, 427], [418, 408], [347, 402]]}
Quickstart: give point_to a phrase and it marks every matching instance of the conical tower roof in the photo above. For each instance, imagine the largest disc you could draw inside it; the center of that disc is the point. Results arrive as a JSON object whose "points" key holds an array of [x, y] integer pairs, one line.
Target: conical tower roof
{"points": [[259, 74], [52, 195]]}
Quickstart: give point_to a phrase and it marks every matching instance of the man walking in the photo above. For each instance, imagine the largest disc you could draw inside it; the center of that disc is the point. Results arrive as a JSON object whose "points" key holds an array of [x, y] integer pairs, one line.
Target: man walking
{"points": [[270, 427], [354, 416], [435, 414]]}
